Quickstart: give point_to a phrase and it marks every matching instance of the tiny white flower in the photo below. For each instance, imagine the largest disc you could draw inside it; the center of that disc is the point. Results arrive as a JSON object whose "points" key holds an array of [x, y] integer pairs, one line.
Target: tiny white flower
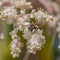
{"points": [[22, 11], [59, 47], [38, 15]]}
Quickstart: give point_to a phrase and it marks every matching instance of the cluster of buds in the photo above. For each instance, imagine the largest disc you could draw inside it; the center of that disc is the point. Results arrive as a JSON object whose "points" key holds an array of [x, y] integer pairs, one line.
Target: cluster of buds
{"points": [[24, 18]]}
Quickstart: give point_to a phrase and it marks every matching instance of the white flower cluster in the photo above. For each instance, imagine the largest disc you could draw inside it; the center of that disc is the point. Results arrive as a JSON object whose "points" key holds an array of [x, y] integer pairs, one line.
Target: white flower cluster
{"points": [[28, 20], [9, 13], [35, 40], [15, 45], [40, 15], [22, 22]]}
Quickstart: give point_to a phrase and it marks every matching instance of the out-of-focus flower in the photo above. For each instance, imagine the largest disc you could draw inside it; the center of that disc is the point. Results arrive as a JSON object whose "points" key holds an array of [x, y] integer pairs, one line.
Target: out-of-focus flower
{"points": [[22, 4], [1, 36]]}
